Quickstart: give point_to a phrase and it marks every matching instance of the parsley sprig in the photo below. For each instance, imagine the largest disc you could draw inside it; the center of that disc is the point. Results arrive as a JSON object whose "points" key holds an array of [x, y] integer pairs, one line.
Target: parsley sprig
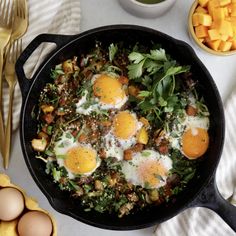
{"points": [[157, 72]]}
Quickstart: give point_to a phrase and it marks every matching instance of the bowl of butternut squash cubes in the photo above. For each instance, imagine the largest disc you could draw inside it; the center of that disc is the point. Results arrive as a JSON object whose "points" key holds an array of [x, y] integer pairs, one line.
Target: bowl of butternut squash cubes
{"points": [[212, 25]]}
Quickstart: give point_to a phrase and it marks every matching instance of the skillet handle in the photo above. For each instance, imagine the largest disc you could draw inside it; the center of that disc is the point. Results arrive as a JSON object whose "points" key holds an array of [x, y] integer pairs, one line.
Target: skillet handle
{"points": [[212, 199], [24, 82]]}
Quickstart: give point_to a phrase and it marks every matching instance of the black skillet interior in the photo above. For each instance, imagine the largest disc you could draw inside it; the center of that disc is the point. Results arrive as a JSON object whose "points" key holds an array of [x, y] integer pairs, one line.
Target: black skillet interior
{"points": [[76, 45]]}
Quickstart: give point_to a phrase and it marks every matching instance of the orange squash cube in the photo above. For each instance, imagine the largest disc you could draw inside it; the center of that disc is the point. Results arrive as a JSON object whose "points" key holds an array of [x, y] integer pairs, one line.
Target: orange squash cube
{"points": [[214, 34], [214, 44], [226, 11], [200, 9], [224, 37], [224, 2], [225, 28], [225, 46], [233, 47], [234, 29], [212, 4], [233, 9], [201, 31], [204, 19], [203, 3], [195, 19], [218, 14]]}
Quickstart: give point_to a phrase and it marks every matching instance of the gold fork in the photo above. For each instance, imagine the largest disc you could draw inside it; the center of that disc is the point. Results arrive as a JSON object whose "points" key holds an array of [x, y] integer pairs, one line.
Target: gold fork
{"points": [[10, 77], [5, 33], [20, 23]]}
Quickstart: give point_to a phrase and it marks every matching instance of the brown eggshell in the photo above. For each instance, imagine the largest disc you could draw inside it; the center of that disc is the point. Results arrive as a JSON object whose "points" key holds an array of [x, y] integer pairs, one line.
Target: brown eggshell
{"points": [[34, 223], [11, 203], [9, 228]]}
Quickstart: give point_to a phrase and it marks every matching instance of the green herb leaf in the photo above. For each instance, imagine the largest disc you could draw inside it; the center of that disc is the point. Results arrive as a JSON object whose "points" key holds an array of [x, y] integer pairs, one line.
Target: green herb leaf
{"points": [[158, 55], [112, 51], [144, 93], [146, 154], [56, 72], [136, 57], [135, 70]]}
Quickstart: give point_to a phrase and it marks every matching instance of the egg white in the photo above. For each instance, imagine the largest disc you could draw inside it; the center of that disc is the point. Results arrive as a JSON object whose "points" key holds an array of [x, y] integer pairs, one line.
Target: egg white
{"points": [[114, 146], [130, 168], [63, 145], [185, 123], [81, 105]]}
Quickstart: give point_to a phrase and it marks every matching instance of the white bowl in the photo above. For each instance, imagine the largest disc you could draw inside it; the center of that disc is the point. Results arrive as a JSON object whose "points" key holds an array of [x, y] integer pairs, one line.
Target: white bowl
{"points": [[146, 10]]}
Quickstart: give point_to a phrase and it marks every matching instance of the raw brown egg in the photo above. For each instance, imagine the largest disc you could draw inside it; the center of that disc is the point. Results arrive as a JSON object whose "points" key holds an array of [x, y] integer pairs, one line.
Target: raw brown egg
{"points": [[11, 203], [35, 223]]}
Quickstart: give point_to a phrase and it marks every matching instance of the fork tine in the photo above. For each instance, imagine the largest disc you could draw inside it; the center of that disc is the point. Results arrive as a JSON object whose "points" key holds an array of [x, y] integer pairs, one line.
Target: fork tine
{"points": [[3, 6], [17, 49], [23, 9], [20, 8], [6, 16], [6, 11], [17, 8]]}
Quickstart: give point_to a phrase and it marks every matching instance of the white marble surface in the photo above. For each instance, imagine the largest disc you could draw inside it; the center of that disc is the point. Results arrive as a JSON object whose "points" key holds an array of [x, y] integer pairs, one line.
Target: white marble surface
{"points": [[104, 12]]}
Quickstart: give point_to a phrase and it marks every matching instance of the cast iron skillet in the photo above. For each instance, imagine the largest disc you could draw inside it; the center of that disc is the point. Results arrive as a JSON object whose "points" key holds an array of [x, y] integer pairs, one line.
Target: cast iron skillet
{"points": [[201, 191]]}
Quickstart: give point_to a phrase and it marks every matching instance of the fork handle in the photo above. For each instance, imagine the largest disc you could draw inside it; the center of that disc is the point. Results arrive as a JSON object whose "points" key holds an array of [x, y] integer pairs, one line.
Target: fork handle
{"points": [[2, 133], [9, 128]]}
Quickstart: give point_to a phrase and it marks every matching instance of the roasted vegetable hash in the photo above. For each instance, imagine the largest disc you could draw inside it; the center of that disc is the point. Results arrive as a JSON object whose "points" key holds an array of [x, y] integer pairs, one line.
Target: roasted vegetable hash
{"points": [[121, 129]]}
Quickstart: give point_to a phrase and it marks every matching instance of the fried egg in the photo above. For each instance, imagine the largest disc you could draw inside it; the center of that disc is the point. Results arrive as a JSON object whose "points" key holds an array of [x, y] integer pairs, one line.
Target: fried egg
{"points": [[77, 158], [107, 93], [122, 135], [191, 136], [148, 169], [195, 142], [195, 138]]}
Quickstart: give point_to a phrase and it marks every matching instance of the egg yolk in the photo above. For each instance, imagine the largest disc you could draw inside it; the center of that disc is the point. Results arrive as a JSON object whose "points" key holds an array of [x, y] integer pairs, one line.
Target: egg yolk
{"points": [[195, 142], [108, 89], [80, 160], [151, 173], [125, 125]]}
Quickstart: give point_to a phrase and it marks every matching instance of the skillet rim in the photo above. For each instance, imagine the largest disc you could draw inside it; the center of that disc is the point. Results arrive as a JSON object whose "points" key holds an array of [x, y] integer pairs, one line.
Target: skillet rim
{"points": [[73, 39]]}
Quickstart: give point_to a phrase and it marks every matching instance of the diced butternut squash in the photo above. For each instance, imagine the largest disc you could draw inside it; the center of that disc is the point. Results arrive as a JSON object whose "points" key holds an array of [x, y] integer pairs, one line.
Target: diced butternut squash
{"points": [[205, 19], [39, 144], [203, 3], [212, 4], [201, 31], [234, 29], [195, 19], [145, 122], [218, 14], [225, 28], [233, 47], [202, 18], [224, 37], [142, 136], [214, 23], [224, 2], [214, 34], [233, 9], [225, 46], [226, 11], [200, 9], [214, 44], [47, 108]]}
